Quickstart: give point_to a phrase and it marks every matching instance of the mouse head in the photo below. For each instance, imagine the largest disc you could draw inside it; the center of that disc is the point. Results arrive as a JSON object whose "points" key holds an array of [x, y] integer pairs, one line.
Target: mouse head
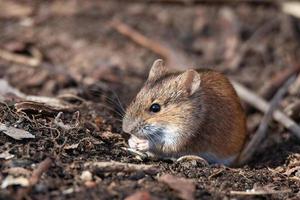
{"points": [[163, 106]]}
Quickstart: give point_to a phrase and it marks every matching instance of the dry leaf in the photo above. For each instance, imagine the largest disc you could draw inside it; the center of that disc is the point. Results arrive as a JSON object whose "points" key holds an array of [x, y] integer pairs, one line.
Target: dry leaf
{"points": [[6, 155], [10, 180], [292, 170], [36, 103], [185, 187], [291, 8], [17, 171], [6, 88], [71, 146], [15, 133]]}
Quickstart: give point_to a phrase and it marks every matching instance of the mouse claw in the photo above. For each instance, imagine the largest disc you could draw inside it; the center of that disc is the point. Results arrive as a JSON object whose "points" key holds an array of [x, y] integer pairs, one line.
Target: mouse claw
{"points": [[139, 155], [192, 157]]}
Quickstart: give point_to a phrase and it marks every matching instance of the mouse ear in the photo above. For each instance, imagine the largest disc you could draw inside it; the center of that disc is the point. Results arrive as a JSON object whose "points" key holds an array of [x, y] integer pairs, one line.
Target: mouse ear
{"points": [[189, 81], [157, 70]]}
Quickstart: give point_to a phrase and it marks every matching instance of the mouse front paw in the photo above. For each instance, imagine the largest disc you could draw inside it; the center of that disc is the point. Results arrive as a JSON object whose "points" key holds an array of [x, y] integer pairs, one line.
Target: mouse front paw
{"points": [[138, 144]]}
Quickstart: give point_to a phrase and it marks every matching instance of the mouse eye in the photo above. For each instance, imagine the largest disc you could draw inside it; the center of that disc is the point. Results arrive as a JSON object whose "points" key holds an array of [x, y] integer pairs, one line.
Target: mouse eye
{"points": [[155, 107]]}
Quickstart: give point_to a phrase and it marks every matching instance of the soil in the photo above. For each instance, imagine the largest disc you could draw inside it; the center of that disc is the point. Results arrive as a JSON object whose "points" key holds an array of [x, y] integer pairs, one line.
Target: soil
{"points": [[83, 55]]}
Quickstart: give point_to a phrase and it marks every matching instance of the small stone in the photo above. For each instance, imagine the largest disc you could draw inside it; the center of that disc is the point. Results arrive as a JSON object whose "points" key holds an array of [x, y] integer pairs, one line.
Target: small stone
{"points": [[86, 176], [90, 184]]}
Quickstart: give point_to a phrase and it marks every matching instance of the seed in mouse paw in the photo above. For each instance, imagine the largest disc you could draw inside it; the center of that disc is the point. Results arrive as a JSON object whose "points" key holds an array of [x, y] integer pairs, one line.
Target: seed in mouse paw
{"points": [[138, 144], [143, 145]]}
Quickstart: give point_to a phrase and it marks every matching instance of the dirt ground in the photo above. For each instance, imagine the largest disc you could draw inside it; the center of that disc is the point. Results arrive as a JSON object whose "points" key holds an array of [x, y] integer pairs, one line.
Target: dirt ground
{"points": [[83, 58]]}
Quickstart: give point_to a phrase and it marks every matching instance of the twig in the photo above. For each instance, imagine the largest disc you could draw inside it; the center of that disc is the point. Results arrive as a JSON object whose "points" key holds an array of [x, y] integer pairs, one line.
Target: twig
{"points": [[139, 38], [270, 87], [261, 132], [35, 177], [259, 192], [114, 166], [12, 57], [235, 62], [37, 173], [171, 57], [58, 122], [254, 100]]}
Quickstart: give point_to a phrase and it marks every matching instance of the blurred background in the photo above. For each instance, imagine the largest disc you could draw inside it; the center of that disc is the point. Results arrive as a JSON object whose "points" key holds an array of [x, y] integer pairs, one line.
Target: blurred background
{"points": [[78, 41], [50, 48]]}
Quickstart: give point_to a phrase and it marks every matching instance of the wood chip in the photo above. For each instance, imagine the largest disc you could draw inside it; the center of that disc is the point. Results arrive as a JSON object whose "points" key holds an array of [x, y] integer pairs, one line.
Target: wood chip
{"points": [[45, 105], [20, 59], [291, 8], [17, 171], [6, 155], [185, 187], [17, 134], [266, 190], [140, 195], [71, 146]]}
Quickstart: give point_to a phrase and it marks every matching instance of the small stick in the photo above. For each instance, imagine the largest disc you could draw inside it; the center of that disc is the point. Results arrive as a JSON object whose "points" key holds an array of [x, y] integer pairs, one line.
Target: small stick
{"points": [[261, 132], [37, 173], [25, 60], [259, 192], [254, 100], [114, 166], [139, 38], [235, 62], [168, 54], [270, 87], [35, 177]]}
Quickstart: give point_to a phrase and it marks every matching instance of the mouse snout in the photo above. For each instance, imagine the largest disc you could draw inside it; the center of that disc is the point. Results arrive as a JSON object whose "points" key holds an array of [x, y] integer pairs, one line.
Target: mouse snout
{"points": [[129, 126]]}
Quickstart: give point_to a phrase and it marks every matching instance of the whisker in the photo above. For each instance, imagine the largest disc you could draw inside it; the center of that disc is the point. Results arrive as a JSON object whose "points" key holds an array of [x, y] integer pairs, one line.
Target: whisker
{"points": [[150, 138], [111, 100], [113, 110], [119, 109], [98, 90], [118, 99]]}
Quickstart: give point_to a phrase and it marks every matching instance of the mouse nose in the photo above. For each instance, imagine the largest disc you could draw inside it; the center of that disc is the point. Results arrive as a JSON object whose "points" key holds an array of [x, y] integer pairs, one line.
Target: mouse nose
{"points": [[129, 125], [126, 128]]}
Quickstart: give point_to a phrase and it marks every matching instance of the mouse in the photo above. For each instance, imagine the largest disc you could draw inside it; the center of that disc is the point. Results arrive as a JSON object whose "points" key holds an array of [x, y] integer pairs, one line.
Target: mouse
{"points": [[192, 112]]}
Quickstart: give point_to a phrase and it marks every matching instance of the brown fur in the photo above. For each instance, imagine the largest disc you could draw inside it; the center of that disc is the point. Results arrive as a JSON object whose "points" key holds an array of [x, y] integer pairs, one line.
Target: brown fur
{"points": [[209, 120]]}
